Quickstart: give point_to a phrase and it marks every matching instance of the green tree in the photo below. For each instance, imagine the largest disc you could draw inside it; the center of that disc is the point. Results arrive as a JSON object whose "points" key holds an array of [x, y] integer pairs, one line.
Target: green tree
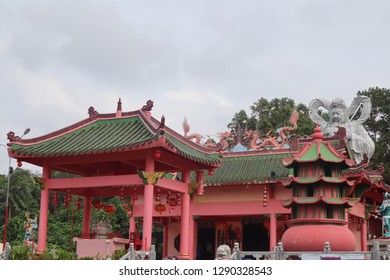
{"points": [[378, 126], [270, 115]]}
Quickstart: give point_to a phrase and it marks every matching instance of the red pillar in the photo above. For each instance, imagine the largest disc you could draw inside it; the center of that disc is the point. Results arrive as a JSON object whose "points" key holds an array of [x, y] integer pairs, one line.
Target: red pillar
{"points": [[148, 208], [87, 217], [185, 217], [43, 212], [364, 235], [272, 233]]}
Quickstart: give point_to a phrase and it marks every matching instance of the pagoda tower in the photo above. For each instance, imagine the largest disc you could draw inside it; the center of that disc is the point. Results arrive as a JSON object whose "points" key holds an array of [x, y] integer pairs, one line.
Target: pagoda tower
{"points": [[320, 196]]}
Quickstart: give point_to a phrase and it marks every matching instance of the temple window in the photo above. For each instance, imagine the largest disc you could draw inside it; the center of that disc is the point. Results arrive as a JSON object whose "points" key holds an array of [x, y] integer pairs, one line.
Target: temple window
{"points": [[310, 191], [329, 212], [328, 171]]}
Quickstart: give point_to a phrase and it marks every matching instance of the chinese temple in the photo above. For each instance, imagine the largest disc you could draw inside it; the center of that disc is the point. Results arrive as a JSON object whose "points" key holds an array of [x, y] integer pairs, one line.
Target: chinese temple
{"points": [[252, 190]]}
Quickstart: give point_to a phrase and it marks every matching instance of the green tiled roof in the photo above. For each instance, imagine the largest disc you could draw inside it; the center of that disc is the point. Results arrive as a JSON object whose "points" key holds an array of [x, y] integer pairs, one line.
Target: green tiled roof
{"points": [[316, 151], [310, 180], [249, 169], [99, 136], [191, 153], [108, 135]]}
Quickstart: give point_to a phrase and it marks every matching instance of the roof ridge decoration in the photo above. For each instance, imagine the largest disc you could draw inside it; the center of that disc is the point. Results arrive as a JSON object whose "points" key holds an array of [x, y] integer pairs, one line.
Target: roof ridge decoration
{"points": [[104, 133], [119, 106], [92, 112], [148, 107]]}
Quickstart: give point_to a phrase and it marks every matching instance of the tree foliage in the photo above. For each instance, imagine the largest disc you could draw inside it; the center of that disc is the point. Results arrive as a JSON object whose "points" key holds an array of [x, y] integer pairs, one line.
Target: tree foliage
{"points": [[378, 126], [270, 115]]}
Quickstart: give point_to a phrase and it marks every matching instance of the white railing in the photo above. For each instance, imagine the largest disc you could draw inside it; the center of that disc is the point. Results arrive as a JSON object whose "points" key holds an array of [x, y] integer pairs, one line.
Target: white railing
{"points": [[327, 253], [139, 255]]}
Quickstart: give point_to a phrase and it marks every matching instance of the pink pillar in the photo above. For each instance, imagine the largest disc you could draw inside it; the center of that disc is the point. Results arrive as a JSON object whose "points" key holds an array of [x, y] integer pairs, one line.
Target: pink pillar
{"points": [[165, 242], [185, 220], [87, 217], [200, 180], [148, 208], [131, 226], [364, 235], [44, 212], [272, 233], [192, 239]]}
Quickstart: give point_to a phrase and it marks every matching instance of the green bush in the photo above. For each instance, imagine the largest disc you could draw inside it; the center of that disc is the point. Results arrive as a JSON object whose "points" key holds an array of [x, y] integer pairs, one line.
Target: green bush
{"points": [[21, 252], [56, 254], [118, 254]]}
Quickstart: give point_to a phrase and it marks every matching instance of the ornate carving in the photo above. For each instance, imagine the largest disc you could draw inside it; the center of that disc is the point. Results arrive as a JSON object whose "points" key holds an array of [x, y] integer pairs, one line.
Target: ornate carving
{"points": [[92, 112], [257, 143], [192, 187], [284, 131], [148, 107], [150, 177], [11, 136], [223, 252], [186, 129], [222, 145], [342, 116], [379, 170]]}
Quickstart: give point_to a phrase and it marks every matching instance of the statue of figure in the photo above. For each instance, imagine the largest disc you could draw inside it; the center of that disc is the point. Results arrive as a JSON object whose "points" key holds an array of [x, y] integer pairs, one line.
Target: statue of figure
{"points": [[223, 252], [384, 209], [29, 226], [360, 143]]}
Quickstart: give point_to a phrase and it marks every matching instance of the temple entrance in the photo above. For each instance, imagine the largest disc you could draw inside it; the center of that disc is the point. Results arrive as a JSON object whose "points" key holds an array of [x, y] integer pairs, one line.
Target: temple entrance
{"points": [[255, 237], [205, 249]]}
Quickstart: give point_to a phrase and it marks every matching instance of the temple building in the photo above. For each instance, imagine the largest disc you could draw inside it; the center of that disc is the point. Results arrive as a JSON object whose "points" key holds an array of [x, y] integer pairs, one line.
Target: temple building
{"points": [[251, 190]]}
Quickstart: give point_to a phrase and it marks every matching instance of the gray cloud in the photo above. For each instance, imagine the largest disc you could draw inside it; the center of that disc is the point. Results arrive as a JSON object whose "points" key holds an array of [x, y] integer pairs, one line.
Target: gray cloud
{"points": [[203, 59]]}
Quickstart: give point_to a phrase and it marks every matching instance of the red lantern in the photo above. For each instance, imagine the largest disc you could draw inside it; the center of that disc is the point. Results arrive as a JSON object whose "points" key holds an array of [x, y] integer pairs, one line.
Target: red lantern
{"points": [[97, 204], [211, 172], [19, 163], [160, 208], [55, 199], [157, 154], [266, 224], [109, 209]]}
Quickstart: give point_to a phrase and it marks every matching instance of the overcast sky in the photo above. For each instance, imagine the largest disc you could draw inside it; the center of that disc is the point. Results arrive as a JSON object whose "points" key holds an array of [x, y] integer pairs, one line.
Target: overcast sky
{"points": [[203, 60]]}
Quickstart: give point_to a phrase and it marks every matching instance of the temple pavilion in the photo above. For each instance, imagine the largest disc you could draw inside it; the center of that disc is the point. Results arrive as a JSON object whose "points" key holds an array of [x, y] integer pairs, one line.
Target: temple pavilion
{"points": [[237, 190]]}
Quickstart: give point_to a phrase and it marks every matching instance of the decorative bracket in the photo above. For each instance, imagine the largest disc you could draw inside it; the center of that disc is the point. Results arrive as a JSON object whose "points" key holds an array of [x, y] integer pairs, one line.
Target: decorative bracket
{"points": [[192, 187], [40, 182], [150, 177]]}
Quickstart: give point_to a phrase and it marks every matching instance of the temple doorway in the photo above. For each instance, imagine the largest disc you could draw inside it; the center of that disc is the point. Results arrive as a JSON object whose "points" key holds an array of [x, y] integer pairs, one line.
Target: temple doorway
{"points": [[255, 237], [205, 249]]}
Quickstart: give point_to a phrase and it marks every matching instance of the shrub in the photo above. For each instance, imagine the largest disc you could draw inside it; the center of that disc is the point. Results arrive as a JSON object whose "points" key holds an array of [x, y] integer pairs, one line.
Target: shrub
{"points": [[21, 252], [118, 254]]}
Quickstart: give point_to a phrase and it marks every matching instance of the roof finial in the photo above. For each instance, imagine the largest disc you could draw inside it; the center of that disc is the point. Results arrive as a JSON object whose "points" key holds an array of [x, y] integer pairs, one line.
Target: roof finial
{"points": [[317, 135], [119, 107]]}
